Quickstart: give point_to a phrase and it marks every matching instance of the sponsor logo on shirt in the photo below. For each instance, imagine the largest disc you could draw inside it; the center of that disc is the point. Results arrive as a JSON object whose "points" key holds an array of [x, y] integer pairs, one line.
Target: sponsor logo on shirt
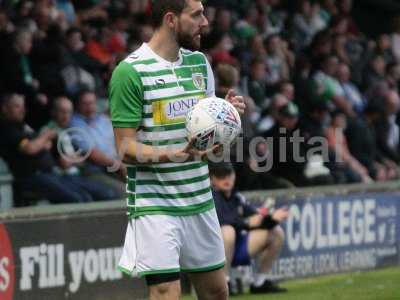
{"points": [[173, 111]]}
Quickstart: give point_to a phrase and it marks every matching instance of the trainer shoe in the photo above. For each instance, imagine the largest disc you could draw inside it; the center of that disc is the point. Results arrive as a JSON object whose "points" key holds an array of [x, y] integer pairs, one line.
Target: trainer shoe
{"points": [[267, 287]]}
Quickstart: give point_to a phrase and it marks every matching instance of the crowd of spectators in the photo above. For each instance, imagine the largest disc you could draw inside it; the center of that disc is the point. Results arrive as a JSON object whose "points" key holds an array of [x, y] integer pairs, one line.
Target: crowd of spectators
{"points": [[305, 69]]}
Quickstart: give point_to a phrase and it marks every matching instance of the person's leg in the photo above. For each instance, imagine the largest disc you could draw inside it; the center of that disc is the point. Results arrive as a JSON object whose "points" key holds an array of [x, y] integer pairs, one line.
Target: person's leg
{"points": [[51, 187], [75, 186], [97, 190], [203, 257], [154, 253], [267, 244], [164, 287], [117, 185], [210, 285], [150, 246], [229, 237]]}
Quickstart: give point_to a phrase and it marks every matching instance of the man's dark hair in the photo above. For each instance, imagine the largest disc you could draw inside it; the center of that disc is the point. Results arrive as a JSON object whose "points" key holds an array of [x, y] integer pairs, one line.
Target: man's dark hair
{"points": [[161, 7], [221, 170]]}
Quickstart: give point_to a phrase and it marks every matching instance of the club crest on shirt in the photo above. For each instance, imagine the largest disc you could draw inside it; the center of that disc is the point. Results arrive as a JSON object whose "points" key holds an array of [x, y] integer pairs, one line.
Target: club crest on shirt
{"points": [[198, 81]]}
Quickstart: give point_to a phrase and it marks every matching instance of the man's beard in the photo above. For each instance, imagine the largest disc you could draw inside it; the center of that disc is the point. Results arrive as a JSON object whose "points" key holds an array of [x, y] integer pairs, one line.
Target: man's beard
{"points": [[187, 41]]}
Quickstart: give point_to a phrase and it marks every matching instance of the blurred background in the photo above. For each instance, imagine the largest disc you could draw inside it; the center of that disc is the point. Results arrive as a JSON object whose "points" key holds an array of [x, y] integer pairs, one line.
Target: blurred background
{"points": [[323, 68]]}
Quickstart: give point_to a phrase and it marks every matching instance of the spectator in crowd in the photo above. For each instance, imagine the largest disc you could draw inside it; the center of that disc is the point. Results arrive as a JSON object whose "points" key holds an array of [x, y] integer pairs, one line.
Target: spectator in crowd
{"points": [[270, 115], [284, 162], [48, 61], [301, 81], [223, 20], [117, 43], [375, 71], [256, 51], [286, 88], [339, 43], [327, 88], [274, 17], [388, 130], [221, 45], [307, 21], [68, 159], [321, 46], [291, 160], [228, 77], [247, 233], [393, 76], [328, 9], [344, 11], [256, 83], [146, 32], [53, 48], [276, 61], [97, 46], [313, 126], [315, 121], [247, 27], [361, 137], [350, 91], [28, 155], [17, 76], [384, 48], [339, 25], [98, 129], [348, 169], [80, 71], [67, 8]]}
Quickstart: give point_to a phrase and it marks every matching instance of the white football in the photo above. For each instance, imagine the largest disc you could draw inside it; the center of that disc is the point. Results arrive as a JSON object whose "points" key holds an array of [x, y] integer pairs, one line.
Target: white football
{"points": [[213, 121]]}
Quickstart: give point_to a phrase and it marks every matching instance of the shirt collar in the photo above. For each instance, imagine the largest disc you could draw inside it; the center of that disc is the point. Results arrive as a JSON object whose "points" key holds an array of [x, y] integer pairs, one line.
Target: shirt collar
{"points": [[164, 61]]}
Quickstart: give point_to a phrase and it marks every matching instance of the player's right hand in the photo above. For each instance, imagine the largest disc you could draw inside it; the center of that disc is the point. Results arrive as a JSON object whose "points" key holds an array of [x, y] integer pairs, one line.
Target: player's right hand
{"points": [[190, 152]]}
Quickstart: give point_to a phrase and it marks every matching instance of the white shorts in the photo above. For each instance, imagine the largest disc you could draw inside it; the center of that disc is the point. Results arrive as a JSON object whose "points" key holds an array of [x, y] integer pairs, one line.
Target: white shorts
{"points": [[158, 244]]}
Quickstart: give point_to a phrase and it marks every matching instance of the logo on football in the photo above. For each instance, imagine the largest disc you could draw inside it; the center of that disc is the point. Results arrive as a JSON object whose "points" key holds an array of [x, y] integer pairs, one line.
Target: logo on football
{"points": [[213, 121]]}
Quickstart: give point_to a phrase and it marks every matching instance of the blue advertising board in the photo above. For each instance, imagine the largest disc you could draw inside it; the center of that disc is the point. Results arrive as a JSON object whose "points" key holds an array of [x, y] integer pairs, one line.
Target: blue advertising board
{"points": [[331, 234]]}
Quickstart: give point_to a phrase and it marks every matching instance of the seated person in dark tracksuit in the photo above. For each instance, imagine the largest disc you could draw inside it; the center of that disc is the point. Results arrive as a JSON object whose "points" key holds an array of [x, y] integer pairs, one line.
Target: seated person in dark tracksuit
{"points": [[246, 232]]}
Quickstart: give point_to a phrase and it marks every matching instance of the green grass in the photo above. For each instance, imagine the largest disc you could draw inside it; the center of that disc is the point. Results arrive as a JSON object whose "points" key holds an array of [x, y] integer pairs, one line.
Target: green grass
{"points": [[374, 285]]}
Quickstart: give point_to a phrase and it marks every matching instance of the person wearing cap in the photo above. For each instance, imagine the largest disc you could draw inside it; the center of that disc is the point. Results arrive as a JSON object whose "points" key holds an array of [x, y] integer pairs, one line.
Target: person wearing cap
{"points": [[247, 231], [284, 164]]}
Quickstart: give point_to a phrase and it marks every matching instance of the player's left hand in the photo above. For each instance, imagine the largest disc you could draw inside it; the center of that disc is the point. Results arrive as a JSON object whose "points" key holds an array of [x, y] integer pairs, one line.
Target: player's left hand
{"points": [[190, 152], [236, 101]]}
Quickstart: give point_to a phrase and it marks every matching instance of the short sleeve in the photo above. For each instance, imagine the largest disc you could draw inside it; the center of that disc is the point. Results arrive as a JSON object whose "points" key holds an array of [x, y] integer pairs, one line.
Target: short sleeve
{"points": [[210, 80], [126, 97], [13, 138]]}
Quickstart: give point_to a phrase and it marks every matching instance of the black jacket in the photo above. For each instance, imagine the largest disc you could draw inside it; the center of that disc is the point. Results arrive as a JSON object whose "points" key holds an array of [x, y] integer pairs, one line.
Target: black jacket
{"points": [[233, 210]]}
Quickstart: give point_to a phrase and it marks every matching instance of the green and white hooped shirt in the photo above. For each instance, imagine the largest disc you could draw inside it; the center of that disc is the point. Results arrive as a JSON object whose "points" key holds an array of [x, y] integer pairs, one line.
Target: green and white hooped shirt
{"points": [[154, 95]]}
